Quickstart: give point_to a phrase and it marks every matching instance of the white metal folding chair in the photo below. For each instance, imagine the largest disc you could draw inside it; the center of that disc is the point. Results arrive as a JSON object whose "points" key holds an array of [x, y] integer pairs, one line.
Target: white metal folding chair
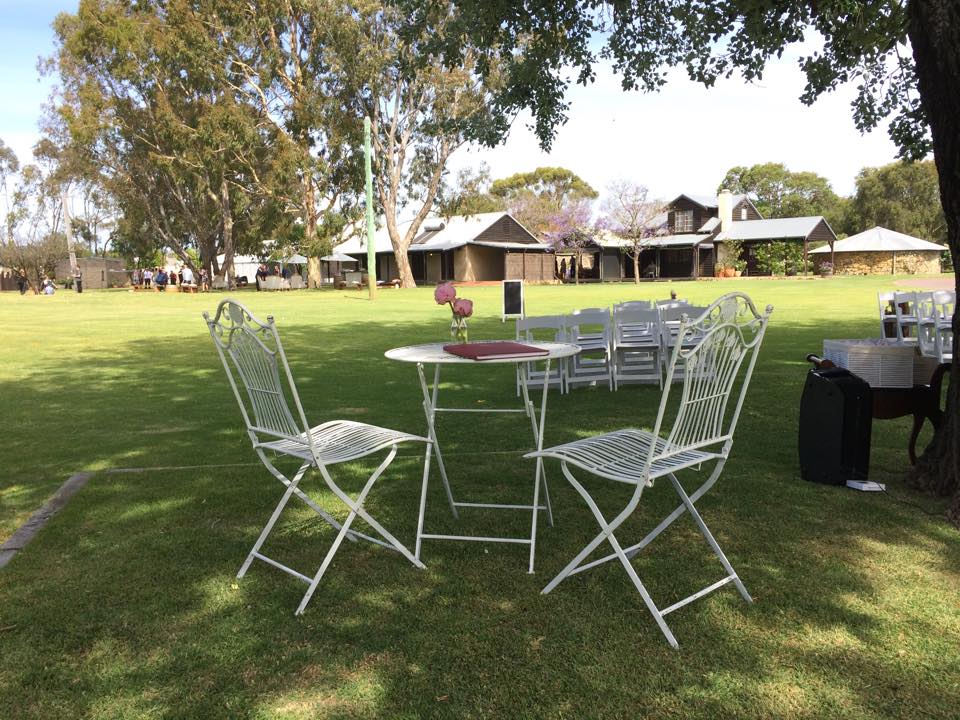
{"points": [[935, 325], [671, 302], [590, 329], [636, 345], [545, 328], [253, 358], [727, 334], [905, 307]]}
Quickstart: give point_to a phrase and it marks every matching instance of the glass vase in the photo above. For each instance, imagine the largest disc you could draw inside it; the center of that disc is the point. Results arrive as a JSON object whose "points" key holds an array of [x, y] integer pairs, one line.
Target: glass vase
{"points": [[458, 329]]}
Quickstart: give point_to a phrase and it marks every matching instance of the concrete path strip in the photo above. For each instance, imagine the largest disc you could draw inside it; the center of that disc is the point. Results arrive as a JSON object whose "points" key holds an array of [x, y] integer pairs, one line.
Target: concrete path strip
{"points": [[26, 532]]}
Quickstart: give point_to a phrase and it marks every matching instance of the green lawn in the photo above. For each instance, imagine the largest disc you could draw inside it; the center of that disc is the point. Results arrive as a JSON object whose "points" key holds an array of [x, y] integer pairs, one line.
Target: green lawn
{"points": [[126, 604]]}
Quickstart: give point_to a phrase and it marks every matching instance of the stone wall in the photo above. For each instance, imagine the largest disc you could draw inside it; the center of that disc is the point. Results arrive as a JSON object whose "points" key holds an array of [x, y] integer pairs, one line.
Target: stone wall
{"points": [[883, 263]]}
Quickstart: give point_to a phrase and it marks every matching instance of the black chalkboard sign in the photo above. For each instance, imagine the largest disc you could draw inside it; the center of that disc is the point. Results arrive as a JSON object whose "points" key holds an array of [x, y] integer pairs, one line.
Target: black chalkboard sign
{"points": [[512, 298]]}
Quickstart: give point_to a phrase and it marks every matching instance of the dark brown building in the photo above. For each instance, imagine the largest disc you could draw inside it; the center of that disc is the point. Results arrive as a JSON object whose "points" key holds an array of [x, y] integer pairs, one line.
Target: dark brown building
{"points": [[690, 237]]}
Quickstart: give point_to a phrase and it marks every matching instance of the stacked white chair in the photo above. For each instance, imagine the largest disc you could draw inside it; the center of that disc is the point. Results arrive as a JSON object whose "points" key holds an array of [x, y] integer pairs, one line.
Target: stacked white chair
{"points": [[713, 347], [636, 345], [590, 329], [670, 319], [638, 304], [253, 358], [905, 307], [935, 325], [544, 328], [888, 316]]}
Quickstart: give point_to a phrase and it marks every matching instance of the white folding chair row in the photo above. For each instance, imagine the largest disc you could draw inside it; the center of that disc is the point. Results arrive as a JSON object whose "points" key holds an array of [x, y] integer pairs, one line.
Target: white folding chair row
{"points": [[590, 329], [636, 345], [935, 324]]}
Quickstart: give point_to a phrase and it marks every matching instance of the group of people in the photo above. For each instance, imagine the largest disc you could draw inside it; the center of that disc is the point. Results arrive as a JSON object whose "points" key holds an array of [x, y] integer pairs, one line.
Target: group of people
{"points": [[47, 285], [158, 278]]}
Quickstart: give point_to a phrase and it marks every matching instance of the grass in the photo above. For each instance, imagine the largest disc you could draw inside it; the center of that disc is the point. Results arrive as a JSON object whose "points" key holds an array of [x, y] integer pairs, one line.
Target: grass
{"points": [[126, 604]]}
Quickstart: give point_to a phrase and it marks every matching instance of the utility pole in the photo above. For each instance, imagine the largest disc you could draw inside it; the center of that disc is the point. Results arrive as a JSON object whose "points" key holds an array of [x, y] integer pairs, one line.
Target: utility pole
{"points": [[371, 229]]}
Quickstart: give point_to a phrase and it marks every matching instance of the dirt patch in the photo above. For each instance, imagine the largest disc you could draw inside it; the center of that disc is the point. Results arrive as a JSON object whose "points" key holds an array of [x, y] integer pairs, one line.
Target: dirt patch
{"points": [[947, 282]]}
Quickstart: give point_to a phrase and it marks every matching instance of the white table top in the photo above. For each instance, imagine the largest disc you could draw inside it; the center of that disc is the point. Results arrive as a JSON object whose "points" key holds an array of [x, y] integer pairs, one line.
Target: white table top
{"points": [[433, 353]]}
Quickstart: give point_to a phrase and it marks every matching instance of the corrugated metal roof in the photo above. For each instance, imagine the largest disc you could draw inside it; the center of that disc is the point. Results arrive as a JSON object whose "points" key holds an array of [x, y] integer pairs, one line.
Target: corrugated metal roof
{"points": [[443, 234], [776, 229], [880, 239]]}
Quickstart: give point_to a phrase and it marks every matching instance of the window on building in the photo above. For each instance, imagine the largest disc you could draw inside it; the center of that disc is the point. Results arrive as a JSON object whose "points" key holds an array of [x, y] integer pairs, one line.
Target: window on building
{"points": [[683, 221], [743, 213]]}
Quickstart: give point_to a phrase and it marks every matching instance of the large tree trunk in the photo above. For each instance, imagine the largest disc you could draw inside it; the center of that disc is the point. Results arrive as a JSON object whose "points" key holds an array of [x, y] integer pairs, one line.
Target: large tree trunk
{"points": [[314, 276], [934, 31], [227, 231], [636, 268]]}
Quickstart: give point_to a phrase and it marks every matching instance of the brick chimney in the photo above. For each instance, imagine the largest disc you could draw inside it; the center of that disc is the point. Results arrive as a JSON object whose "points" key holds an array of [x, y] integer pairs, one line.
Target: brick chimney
{"points": [[725, 209]]}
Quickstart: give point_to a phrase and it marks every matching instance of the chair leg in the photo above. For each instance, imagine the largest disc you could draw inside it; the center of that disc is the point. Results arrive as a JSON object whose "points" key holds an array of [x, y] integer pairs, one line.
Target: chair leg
{"points": [[291, 488], [356, 509], [606, 533], [714, 545]]}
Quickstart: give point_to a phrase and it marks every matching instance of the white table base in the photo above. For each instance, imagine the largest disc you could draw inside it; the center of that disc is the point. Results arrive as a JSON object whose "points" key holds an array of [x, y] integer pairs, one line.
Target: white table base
{"points": [[430, 408]]}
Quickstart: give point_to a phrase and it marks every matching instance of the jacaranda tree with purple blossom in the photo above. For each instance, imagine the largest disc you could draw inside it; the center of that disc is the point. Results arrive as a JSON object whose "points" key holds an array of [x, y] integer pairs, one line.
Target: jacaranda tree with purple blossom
{"points": [[572, 230]]}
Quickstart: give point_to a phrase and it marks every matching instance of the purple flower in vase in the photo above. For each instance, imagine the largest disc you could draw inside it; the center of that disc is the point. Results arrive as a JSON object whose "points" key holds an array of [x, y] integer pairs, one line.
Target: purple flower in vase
{"points": [[444, 294], [463, 307]]}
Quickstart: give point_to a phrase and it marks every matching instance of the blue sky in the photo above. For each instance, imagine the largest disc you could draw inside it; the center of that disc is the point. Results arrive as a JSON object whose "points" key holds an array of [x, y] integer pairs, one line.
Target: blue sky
{"points": [[682, 139]]}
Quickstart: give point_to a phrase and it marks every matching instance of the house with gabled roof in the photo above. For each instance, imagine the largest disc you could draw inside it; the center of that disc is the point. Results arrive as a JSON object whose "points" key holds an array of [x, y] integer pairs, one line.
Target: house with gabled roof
{"points": [[464, 248], [688, 240]]}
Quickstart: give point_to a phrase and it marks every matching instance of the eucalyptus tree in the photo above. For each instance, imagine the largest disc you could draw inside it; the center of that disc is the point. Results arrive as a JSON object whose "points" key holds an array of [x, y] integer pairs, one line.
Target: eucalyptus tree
{"points": [[421, 108], [537, 197], [9, 166], [35, 239], [903, 56], [277, 57], [778, 192], [143, 106], [901, 196]]}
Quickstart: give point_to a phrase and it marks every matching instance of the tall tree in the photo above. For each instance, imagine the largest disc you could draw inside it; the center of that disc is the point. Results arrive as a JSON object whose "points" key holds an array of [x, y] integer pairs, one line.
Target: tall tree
{"points": [[537, 197], [281, 57], [34, 221], [903, 56], [779, 193], [901, 196], [421, 108], [631, 213], [144, 107], [9, 166]]}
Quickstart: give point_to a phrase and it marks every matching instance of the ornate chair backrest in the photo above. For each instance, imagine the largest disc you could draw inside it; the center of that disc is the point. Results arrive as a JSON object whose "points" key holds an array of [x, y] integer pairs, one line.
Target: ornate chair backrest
{"points": [[711, 351], [253, 356]]}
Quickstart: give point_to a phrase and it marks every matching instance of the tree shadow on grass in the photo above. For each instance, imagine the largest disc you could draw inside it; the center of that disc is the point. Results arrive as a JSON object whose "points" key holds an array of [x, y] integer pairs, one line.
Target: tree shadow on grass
{"points": [[126, 604]]}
